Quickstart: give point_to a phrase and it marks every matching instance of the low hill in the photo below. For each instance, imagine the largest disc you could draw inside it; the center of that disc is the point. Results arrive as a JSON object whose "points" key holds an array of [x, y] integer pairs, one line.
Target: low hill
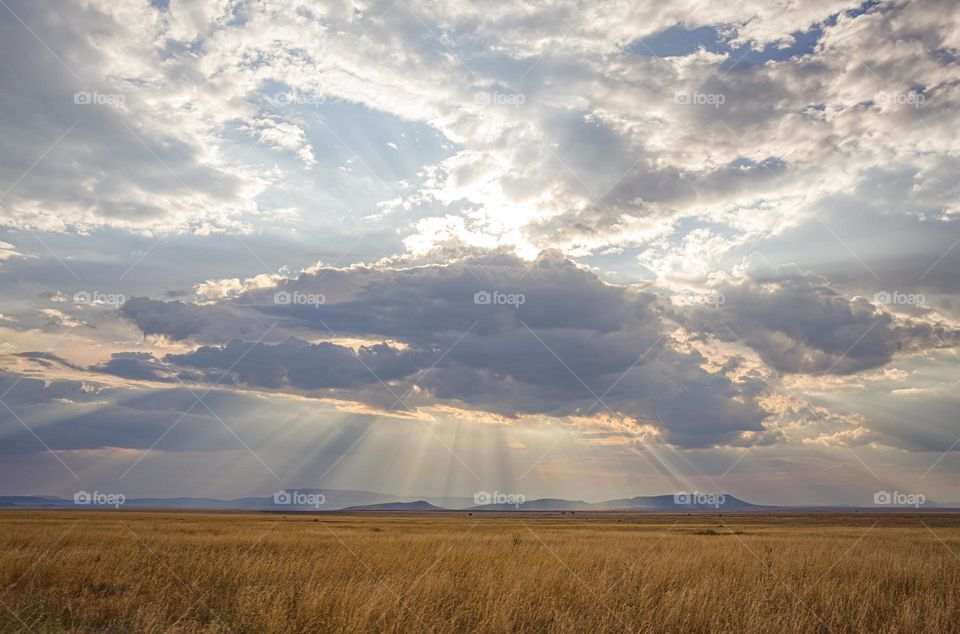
{"points": [[419, 505]]}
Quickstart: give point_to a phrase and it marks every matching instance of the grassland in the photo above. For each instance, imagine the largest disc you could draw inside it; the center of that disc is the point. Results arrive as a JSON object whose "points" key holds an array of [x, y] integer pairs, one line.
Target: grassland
{"points": [[195, 572]]}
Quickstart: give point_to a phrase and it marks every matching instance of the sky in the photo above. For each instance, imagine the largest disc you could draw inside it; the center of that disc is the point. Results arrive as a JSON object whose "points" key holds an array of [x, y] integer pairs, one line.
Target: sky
{"points": [[585, 250]]}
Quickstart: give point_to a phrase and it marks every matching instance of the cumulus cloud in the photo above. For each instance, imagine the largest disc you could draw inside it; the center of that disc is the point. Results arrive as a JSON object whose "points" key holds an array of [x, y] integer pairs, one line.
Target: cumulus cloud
{"points": [[503, 336], [467, 153], [797, 323]]}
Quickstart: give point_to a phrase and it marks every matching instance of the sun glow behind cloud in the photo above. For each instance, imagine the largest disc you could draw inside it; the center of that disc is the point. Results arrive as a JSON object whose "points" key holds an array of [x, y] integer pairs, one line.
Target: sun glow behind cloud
{"points": [[732, 228]]}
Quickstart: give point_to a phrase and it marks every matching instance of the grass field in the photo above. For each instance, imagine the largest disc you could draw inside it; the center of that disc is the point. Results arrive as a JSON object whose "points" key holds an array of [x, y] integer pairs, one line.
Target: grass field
{"points": [[204, 572]]}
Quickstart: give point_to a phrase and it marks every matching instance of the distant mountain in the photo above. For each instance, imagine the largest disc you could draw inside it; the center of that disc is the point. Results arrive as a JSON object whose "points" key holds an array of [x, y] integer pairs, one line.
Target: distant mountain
{"points": [[679, 503], [314, 500], [286, 500], [543, 504], [663, 503], [419, 505], [31, 501]]}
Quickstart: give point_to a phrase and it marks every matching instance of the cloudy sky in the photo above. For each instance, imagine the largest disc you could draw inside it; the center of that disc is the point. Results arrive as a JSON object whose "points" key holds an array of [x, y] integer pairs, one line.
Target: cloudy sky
{"points": [[568, 249]]}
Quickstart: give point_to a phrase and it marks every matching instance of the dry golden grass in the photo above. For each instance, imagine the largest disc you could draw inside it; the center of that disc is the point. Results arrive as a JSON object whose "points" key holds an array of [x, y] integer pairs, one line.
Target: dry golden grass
{"points": [[197, 572]]}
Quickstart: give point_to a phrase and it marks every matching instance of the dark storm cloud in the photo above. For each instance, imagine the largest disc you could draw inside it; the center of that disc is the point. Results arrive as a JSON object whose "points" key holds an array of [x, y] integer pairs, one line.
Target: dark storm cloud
{"points": [[797, 323], [295, 364], [79, 415], [134, 365], [572, 345], [47, 359]]}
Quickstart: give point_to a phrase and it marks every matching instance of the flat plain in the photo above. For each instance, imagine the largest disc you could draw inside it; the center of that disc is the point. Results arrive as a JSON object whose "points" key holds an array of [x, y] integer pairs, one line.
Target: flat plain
{"points": [[127, 571]]}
